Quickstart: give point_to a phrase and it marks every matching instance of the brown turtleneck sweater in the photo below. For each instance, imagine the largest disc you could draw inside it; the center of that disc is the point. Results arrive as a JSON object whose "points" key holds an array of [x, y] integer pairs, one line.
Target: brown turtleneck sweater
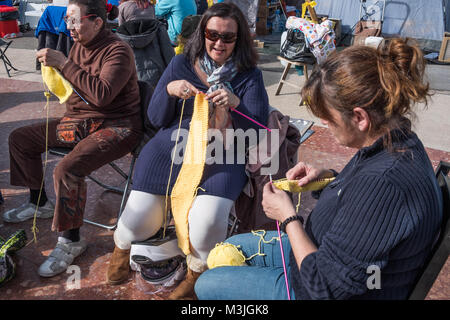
{"points": [[104, 73]]}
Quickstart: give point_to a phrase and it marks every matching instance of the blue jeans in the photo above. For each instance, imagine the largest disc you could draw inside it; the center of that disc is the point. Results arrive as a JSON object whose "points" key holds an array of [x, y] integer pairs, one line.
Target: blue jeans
{"points": [[262, 279]]}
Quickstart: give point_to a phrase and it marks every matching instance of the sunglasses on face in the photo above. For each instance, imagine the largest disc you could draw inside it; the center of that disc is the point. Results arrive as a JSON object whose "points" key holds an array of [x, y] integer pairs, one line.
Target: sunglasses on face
{"points": [[227, 37], [75, 21]]}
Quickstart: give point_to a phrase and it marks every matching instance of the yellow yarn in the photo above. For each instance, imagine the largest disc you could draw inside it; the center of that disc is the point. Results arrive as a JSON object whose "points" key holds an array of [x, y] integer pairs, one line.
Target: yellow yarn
{"points": [[292, 185], [225, 254], [186, 185], [56, 83]]}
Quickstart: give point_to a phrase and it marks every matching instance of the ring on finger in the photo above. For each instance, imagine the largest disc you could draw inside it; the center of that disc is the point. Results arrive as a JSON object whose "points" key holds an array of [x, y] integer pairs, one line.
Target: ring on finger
{"points": [[186, 90]]}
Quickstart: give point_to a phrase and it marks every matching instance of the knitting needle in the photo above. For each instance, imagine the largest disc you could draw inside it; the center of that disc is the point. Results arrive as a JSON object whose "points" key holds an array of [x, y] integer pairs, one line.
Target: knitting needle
{"points": [[282, 254], [79, 95], [232, 109], [284, 264], [72, 86]]}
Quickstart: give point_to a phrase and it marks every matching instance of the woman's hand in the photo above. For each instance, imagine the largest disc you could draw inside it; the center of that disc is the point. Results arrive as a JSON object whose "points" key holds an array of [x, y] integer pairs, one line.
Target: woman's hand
{"points": [[306, 173], [223, 98], [182, 89], [276, 203], [51, 58]]}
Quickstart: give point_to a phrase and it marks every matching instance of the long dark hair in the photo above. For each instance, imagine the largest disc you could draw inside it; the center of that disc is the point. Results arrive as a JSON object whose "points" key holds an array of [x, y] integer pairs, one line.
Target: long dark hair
{"points": [[244, 55]]}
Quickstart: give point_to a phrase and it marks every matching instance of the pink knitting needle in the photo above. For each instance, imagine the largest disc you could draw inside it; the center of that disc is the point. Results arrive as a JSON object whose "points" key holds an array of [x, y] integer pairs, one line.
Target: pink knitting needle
{"points": [[284, 264], [259, 124], [282, 254]]}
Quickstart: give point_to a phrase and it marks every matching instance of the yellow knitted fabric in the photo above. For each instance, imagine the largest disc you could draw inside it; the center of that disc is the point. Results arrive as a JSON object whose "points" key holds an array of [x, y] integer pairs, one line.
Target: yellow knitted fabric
{"points": [[56, 83], [185, 188], [292, 185]]}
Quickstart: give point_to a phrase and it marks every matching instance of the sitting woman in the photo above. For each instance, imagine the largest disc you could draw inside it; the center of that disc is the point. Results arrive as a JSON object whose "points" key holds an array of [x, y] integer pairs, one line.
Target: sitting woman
{"points": [[383, 210], [135, 9], [219, 60], [102, 123]]}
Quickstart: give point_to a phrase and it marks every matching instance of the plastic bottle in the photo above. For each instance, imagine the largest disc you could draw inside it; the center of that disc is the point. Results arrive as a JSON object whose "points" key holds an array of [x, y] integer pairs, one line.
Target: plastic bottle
{"points": [[297, 13]]}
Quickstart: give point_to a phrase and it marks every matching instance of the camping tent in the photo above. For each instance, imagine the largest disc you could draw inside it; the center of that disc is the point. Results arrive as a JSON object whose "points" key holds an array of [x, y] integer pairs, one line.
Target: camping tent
{"points": [[424, 20]]}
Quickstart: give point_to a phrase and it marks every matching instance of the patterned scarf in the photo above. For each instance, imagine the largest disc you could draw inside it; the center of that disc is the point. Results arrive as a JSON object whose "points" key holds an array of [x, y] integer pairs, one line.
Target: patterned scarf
{"points": [[219, 77]]}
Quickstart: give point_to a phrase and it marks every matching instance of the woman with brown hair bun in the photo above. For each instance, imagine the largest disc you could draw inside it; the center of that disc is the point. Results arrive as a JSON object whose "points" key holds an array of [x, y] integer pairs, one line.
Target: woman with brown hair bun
{"points": [[374, 226]]}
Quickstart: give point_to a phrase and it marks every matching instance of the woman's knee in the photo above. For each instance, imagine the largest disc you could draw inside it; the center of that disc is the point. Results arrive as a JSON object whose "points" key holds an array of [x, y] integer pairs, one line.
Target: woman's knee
{"points": [[17, 138], [142, 218], [207, 284], [210, 211]]}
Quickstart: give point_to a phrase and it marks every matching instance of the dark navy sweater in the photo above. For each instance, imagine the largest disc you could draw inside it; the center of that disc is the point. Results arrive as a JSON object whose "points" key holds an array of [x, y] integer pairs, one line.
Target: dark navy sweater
{"points": [[153, 165], [384, 209]]}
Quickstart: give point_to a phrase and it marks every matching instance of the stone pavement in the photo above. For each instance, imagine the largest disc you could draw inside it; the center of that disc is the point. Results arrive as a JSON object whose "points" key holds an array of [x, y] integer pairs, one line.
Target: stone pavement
{"points": [[22, 102]]}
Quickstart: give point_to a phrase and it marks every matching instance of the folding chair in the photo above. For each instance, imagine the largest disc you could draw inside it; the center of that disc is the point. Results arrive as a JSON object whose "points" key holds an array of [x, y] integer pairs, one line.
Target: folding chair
{"points": [[6, 62], [145, 91], [441, 248]]}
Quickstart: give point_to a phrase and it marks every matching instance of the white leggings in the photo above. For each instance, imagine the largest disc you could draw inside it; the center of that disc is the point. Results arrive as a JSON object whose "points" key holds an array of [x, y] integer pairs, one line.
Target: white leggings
{"points": [[143, 217]]}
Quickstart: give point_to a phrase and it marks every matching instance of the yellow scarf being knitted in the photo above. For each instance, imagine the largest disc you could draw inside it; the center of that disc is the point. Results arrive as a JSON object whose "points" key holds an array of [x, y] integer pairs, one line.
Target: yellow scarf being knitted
{"points": [[186, 185], [56, 83]]}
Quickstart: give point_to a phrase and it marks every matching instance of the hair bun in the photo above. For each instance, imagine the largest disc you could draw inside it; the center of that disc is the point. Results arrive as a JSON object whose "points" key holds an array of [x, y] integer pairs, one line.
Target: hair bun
{"points": [[407, 59]]}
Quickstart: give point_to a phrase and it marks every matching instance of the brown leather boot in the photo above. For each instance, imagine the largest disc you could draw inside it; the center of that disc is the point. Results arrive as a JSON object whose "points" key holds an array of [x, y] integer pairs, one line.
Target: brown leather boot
{"points": [[119, 266], [185, 291]]}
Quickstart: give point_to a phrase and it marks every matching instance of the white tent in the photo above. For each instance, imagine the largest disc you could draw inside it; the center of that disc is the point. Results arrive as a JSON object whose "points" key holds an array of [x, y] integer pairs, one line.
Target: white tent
{"points": [[424, 20]]}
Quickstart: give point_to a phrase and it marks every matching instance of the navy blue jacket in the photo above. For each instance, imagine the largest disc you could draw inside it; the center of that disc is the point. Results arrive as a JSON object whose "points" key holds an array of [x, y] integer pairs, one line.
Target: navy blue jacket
{"points": [[384, 210]]}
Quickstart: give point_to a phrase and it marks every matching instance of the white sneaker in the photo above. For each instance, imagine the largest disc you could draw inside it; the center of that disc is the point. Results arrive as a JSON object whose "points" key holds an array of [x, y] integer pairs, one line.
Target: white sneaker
{"points": [[61, 257], [26, 211]]}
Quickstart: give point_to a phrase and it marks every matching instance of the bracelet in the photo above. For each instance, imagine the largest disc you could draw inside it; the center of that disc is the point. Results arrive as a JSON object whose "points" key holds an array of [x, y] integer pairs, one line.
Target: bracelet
{"points": [[290, 219]]}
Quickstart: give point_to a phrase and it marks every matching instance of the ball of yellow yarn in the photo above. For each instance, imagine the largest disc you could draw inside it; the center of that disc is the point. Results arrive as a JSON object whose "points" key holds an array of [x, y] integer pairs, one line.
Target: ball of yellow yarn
{"points": [[225, 254]]}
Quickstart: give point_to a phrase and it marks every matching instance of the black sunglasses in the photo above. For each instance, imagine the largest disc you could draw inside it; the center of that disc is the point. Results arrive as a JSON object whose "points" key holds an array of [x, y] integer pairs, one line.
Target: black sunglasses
{"points": [[227, 37]]}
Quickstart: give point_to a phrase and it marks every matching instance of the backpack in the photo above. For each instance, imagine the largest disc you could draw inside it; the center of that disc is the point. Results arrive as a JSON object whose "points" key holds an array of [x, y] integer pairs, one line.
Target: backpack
{"points": [[294, 48]]}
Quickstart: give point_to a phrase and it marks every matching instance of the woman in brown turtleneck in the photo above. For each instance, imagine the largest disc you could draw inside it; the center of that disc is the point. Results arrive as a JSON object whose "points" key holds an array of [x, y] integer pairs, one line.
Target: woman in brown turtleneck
{"points": [[106, 111]]}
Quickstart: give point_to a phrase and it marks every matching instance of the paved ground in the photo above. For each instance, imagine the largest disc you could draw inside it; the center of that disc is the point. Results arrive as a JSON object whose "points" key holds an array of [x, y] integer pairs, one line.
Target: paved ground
{"points": [[22, 102]]}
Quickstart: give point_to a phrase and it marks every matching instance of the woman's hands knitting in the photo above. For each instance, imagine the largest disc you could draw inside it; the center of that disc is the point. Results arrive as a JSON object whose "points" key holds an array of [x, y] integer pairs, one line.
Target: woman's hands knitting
{"points": [[182, 89], [305, 173], [223, 98], [51, 58], [276, 203]]}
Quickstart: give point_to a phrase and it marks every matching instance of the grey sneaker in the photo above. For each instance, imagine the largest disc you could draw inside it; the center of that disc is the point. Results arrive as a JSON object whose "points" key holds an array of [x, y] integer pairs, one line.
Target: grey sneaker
{"points": [[26, 211], [61, 257]]}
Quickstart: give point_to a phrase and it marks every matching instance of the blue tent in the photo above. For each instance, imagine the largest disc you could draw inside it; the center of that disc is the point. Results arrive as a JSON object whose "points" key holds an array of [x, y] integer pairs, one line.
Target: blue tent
{"points": [[424, 20]]}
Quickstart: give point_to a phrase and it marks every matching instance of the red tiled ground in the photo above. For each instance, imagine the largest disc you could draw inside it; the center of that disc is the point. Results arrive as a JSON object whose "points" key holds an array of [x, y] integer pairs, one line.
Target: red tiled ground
{"points": [[21, 103]]}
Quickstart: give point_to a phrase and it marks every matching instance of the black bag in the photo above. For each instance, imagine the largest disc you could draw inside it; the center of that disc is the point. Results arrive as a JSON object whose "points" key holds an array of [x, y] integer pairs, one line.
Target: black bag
{"points": [[294, 48]]}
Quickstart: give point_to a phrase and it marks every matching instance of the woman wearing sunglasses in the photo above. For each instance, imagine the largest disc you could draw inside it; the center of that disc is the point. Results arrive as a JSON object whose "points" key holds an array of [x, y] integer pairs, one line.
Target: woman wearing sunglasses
{"points": [[220, 61]]}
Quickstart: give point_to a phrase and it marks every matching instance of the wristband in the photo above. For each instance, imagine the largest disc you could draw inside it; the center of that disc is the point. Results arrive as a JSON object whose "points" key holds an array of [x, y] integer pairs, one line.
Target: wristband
{"points": [[290, 219]]}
